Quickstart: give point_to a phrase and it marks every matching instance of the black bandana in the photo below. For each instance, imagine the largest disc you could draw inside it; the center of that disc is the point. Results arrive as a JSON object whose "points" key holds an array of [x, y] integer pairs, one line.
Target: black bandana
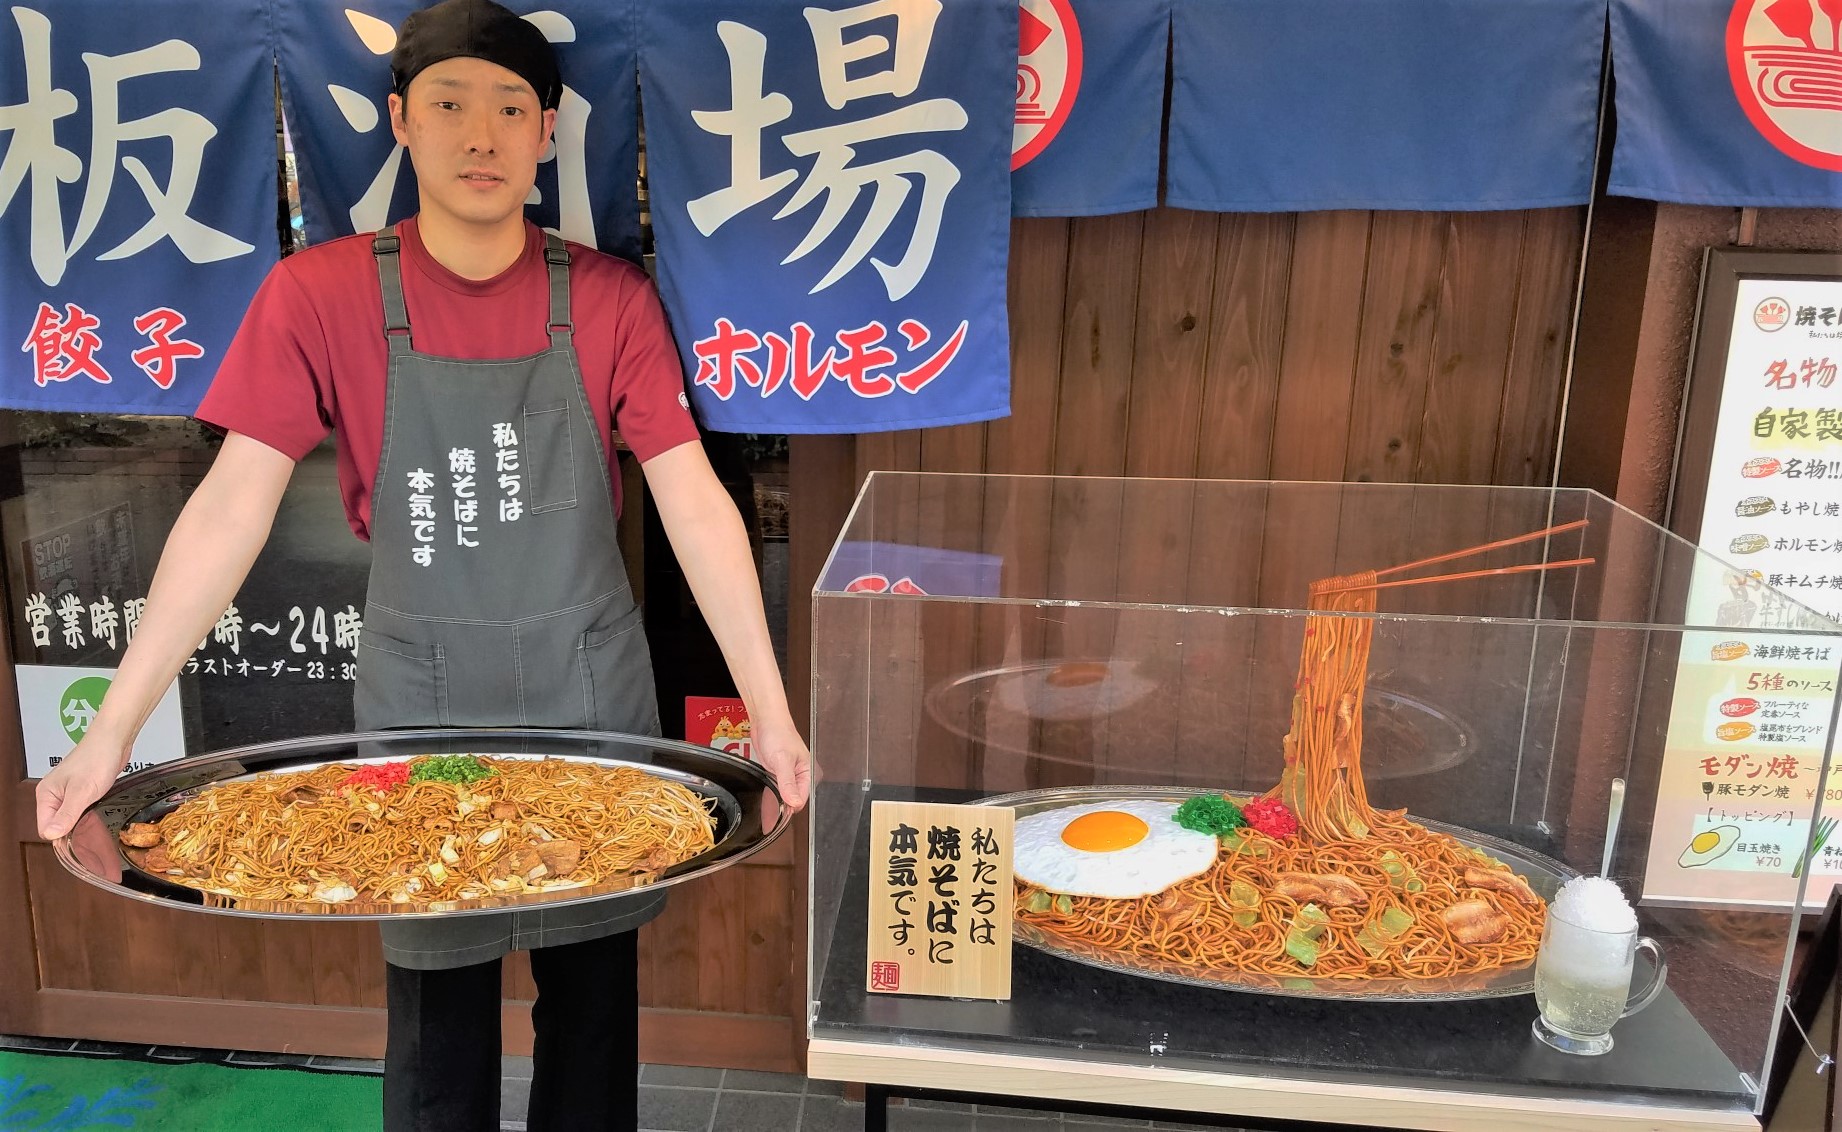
{"points": [[476, 29]]}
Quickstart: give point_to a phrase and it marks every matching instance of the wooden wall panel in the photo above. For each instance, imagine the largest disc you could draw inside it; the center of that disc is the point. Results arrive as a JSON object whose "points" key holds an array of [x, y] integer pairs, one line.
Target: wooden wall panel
{"points": [[1170, 344], [1099, 317], [1246, 327], [1335, 346], [1317, 364], [1400, 309], [287, 956], [1154, 547], [1471, 347], [1530, 419], [1025, 440]]}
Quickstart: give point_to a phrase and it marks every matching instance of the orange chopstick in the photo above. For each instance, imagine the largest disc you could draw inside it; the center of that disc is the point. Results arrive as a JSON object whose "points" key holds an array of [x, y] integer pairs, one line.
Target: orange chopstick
{"points": [[1530, 568], [1500, 543]]}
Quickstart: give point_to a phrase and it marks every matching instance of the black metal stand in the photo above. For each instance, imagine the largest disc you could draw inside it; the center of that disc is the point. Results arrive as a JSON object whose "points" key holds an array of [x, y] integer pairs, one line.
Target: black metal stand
{"points": [[876, 1100], [875, 1108]]}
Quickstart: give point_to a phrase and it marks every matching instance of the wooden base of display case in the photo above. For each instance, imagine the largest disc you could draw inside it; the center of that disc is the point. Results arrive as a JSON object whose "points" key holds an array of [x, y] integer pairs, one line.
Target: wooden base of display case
{"points": [[1240, 1095]]}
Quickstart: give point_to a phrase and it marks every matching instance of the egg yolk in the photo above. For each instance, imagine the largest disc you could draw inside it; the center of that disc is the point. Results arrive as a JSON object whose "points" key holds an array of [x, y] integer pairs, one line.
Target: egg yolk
{"points": [[1104, 831], [1705, 841]]}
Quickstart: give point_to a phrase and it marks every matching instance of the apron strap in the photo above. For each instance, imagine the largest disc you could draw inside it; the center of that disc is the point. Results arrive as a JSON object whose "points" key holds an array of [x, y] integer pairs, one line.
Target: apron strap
{"points": [[557, 257], [385, 246]]}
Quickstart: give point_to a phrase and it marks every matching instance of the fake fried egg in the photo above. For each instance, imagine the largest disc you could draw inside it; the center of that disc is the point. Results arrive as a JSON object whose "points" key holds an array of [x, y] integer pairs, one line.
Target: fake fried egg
{"points": [[1708, 844], [1116, 850], [1073, 689]]}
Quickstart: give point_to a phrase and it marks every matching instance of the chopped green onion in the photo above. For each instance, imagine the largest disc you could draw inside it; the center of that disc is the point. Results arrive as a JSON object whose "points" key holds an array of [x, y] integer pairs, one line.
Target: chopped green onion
{"points": [[457, 769], [1209, 813]]}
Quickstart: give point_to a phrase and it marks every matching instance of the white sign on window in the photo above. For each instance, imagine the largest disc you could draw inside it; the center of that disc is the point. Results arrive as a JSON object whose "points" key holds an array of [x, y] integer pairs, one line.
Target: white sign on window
{"points": [[57, 703]]}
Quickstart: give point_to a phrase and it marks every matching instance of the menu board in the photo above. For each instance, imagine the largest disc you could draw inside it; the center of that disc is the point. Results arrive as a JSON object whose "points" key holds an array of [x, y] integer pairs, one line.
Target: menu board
{"points": [[1752, 711]]}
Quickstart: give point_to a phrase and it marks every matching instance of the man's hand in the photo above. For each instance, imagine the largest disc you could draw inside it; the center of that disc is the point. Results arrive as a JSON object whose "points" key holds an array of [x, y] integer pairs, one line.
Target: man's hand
{"points": [[780, 749], [76, 784]]}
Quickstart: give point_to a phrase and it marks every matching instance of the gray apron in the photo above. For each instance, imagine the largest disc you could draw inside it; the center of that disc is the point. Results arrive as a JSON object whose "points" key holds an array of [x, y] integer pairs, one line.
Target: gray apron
{"points": [[497, 594]]}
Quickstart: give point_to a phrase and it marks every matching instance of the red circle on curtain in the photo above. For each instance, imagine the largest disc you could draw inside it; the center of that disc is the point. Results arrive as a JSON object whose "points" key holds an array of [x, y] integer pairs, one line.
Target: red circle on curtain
{"points": [[1785, 60], [1048, 75]]}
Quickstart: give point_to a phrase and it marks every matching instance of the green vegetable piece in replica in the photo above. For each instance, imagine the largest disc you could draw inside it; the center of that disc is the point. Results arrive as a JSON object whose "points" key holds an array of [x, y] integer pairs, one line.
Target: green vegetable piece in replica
{"points": [[458, 769], [1209, 813]]}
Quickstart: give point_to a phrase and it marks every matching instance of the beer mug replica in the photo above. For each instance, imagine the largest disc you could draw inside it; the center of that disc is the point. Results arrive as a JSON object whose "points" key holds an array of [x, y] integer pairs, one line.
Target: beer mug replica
{"points": [[1583, 971]]}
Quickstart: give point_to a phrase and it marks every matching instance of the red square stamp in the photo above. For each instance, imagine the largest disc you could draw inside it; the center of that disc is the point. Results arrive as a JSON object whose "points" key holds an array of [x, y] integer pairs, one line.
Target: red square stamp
{"points": [[885, 976]]}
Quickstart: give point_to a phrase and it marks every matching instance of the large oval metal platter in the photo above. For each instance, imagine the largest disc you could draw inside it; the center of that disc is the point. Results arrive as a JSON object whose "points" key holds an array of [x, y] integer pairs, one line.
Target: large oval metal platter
{"points": [[745, 805], [1014, 709], [1544, 875]]}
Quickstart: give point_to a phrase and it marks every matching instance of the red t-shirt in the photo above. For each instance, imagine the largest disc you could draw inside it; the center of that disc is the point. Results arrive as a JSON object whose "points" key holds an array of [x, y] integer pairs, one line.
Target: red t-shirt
{"points": [[310, 355]]}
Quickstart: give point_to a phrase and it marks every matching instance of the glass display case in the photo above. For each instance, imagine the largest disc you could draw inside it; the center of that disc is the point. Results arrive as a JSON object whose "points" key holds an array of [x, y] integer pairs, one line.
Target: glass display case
{"points": [[1521, 657]]}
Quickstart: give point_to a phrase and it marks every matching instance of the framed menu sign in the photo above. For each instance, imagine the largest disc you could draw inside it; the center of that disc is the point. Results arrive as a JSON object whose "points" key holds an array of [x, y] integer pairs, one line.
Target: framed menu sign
{"points": [[1759, 487], [940, 900]]}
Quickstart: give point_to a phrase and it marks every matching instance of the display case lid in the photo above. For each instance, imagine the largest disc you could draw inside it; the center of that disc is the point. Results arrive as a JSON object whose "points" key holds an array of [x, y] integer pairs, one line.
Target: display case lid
{"points": [[1252, 546]]}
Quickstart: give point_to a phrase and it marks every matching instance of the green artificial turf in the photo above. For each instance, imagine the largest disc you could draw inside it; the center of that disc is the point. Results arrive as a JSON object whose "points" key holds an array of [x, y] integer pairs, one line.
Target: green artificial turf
{"points": [[40, 1093]]}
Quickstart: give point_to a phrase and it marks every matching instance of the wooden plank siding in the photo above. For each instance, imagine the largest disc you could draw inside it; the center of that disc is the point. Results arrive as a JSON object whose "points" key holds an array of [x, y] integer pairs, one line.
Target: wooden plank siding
{"points": [[1335, 346]]}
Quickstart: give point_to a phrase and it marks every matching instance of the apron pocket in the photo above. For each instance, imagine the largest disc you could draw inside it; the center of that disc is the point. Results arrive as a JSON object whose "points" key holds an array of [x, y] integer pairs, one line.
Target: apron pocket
{"points": [[550, 456], [400, 684], [616, 669]]}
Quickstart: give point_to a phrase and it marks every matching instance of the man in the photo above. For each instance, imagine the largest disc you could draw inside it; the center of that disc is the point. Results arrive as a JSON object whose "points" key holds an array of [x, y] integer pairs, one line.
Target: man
{"points": [[471, 369]]}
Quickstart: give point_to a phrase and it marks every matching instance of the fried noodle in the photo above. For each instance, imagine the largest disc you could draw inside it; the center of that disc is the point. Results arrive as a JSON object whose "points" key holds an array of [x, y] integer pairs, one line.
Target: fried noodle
{"points": [[533, 825], [1379, 896]]}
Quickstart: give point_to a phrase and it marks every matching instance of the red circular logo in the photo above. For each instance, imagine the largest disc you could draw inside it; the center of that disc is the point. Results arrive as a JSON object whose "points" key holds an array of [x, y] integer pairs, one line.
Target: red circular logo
{"points": [[1785, 60], [1771, 314], [1048, 75]]}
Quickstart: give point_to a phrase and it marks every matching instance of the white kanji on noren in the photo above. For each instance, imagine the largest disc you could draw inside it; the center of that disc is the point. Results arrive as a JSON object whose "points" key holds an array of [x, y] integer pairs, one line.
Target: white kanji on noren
{"points": [[35, 158], [750, 112], [832, 176], [914, 34]]}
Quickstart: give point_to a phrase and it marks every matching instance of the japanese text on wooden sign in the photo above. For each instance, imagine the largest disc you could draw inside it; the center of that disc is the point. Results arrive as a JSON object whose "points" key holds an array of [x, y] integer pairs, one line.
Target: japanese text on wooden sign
{"points": [[940, 900]]}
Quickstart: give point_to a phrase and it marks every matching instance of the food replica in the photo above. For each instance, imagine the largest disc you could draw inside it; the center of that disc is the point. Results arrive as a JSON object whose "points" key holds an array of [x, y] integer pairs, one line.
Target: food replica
{"points": [[423, 823], [423, 832], [1391, 775], [1307, 882]]}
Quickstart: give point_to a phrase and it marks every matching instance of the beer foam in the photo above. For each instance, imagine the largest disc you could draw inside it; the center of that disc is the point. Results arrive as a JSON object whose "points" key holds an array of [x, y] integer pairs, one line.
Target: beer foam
{"points": [[1595, 903]]}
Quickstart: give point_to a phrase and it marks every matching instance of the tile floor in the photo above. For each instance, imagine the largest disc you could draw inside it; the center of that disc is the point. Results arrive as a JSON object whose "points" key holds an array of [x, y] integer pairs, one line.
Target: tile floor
{"points": [[675, 1098]]}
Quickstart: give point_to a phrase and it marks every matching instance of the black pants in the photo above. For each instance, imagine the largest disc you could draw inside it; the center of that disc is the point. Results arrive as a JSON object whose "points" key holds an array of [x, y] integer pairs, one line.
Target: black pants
{"points": [[441, 1063]]}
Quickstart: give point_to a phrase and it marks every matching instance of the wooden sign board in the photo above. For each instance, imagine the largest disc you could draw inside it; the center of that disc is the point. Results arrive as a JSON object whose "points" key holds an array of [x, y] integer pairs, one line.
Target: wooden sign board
{"points": [[1755, 486], [940, 900]]}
